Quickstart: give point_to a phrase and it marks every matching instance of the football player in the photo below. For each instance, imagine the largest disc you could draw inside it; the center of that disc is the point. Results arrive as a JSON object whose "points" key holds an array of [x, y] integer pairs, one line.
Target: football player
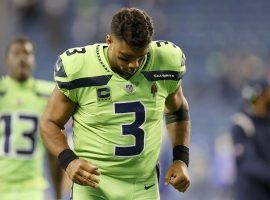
{"points": [[117, 93], [22, 153]]}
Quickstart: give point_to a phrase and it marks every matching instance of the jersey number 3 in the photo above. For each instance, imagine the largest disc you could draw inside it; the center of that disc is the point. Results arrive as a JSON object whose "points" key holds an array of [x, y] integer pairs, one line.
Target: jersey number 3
{"points": [[132, 129]]}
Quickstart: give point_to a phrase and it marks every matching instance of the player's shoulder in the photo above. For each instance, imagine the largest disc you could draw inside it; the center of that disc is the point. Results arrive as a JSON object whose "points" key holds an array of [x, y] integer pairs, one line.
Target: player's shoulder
{"points": [[243, 122], [76, 62], [164, 45], [166, 49], [167, 55], [74, 58], [2, 78], [76, 53], [5, 83], [44, 87], [2, 85]]}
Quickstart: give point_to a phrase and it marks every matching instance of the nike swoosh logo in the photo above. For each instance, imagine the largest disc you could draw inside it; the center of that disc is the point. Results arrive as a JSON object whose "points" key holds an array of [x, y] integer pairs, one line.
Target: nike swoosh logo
{"points": [[148, 186]]}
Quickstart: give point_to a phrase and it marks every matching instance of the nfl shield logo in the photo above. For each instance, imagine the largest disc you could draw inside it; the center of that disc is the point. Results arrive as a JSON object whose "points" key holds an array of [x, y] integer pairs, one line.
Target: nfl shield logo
{"points": [[129, 88]]}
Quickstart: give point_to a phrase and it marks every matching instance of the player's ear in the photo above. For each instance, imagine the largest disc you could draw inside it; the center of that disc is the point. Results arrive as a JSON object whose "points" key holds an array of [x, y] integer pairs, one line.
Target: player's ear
{"points": [[109, 40]]}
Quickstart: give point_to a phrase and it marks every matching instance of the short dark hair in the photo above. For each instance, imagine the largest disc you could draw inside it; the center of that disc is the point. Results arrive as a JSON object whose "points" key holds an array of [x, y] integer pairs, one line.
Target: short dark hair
{"points": [[134, 26], [17, 40]]}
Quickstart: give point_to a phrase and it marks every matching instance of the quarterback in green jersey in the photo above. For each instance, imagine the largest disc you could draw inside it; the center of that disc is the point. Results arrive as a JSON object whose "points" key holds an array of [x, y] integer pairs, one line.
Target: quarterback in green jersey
{"points": [[22, 100], [117, 94]]}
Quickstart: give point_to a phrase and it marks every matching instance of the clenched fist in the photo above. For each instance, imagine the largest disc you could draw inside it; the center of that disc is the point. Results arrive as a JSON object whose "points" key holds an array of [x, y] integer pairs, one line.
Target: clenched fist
{"points": [[177, 176]]}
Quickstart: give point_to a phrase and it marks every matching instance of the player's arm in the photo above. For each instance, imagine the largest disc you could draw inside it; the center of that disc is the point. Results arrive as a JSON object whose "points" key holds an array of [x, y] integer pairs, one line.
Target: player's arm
{"points": [[56, 175], [61, 182], [58, 111], [178, 126]]}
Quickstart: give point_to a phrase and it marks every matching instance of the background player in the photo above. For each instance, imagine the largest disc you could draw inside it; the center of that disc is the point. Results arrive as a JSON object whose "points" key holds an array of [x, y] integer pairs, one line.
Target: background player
{"points": [[116, 94], [250, 133], [22, 100]]}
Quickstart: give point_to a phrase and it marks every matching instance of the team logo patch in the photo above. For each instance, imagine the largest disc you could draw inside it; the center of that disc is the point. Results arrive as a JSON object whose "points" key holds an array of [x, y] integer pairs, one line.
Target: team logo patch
{"points": [[59, 69], [104, 94], [129, 88]]}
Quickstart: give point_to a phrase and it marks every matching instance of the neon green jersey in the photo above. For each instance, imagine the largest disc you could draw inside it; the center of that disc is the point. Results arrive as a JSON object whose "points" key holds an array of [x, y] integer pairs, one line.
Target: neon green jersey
{"points": [[118, 122], [21, 149]]}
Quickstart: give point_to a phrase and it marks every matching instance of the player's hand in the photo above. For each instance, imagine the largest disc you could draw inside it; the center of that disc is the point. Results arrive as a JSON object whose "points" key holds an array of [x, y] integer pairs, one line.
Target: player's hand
{"points": [[83, 172], [177, 176]]}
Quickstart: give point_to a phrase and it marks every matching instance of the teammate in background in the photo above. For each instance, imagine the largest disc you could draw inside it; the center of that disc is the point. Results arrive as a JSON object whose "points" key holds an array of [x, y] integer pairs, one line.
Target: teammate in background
{"points": [[116, 94], [251, 136], [22, 153]]}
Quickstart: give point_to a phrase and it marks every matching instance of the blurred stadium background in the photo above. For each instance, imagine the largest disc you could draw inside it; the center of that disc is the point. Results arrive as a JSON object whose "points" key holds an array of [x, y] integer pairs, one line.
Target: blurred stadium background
{"points": [[225, 42]]}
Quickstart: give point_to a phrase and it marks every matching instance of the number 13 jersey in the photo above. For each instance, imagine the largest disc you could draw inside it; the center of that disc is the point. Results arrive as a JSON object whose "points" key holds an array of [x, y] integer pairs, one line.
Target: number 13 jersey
{"points": [[22, 153]]}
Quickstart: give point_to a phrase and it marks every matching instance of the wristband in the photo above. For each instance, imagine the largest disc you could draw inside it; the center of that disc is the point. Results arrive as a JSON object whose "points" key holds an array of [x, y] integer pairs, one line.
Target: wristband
{"points": [[181, 152], [65, 157]]}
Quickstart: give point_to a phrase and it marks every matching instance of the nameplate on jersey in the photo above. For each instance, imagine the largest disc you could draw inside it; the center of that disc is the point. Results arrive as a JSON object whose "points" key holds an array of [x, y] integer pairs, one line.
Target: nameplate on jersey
{"points": [[163, 75], [104, 94]]}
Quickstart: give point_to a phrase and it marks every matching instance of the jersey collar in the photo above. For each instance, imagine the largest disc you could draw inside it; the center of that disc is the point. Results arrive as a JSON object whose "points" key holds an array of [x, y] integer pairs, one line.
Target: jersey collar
{"points": [[105, 63]]}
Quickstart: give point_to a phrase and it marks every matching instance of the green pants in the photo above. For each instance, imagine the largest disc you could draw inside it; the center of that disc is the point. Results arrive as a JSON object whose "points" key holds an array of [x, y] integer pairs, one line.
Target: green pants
{"points": [[23, 195], [111, 188]]}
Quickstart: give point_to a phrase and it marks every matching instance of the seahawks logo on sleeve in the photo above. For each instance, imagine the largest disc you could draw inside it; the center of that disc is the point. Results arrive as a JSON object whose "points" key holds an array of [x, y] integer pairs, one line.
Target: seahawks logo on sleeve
{"points": [[59, 69]]}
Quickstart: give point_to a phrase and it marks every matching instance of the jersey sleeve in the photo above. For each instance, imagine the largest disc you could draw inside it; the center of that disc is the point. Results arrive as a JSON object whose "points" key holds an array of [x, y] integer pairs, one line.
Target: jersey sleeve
{"points": [[67, 70], [181, 69], [170, 59]]}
